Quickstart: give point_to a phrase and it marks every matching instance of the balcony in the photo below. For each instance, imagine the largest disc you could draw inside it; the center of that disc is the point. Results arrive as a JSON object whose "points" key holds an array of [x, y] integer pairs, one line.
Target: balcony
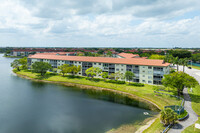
{"points": [[158, 72], [157, 79], [105, 69]]}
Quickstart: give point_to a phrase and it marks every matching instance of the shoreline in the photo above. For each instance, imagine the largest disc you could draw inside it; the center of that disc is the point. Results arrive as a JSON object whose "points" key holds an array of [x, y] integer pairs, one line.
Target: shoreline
{"points": [[152, 106]]}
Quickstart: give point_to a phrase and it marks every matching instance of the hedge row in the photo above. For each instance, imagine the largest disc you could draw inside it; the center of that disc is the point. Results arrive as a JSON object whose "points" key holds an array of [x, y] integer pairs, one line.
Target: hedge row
{"points": [[137, 84], [115, 81]]}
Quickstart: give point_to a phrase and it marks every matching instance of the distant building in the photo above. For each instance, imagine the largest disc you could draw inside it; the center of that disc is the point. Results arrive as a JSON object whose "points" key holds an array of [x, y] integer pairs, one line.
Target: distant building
{"points": [[127, 55], [27, 52]]}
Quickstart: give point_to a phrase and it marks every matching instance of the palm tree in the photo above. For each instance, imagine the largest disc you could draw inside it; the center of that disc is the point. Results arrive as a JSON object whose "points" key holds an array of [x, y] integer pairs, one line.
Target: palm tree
{"points": [[184, 63], [168, 116], [176, 61]]}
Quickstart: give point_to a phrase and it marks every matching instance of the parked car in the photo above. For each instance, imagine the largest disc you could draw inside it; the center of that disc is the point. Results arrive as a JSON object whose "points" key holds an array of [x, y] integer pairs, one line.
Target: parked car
{"points": [[190, 67]]}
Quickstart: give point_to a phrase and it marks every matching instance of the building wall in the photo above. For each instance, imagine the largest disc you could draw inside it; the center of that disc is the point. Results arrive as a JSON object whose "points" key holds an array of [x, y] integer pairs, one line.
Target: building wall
{"points": [[144, 74]]}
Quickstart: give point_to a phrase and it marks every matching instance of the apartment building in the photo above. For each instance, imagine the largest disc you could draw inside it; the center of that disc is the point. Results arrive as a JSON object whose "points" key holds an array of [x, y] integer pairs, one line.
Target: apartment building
{"points": [[27, 52], [146, 71]]}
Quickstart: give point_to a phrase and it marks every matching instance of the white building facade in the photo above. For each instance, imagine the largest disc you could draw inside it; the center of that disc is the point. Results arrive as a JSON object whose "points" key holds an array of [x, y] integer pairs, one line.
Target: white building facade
{"points": [[146, 71]]}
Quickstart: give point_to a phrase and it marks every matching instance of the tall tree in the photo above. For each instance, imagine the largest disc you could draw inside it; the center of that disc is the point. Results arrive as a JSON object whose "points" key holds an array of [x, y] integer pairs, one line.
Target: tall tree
{"points": [[19, 63], [168, 58], [16, 64], [156, 56], [109, 54], [23, 63], [182, 53], [119, 75], [129, 76], [177, 62], [104, 75], [75, 69], [112, 76], [184, 63], [196, 57], [93, 71], [179, 80], [65, 68], [41, 67]]}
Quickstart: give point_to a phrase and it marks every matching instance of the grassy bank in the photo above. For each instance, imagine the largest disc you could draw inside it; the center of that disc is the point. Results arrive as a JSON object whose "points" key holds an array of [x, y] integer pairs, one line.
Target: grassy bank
{"points": [[195, 67], [146, 92], [136, 127], [195, 97], [156, 127], [12, 56]]}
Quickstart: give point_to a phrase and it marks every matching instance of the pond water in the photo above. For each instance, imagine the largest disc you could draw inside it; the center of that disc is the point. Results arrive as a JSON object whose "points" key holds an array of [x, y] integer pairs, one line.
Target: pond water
{"points": [[32, 107]]}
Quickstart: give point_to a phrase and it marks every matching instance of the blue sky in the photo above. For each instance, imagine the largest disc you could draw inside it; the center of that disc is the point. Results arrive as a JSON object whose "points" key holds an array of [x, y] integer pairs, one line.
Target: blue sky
{"points": [[100, 23]]}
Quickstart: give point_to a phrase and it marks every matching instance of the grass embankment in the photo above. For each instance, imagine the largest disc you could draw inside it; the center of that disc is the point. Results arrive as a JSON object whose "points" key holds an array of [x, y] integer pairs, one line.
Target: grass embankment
{"points": [[8, 56], [195, 67], [136, 127], [146, 92], [156, 127], [195, 97]]}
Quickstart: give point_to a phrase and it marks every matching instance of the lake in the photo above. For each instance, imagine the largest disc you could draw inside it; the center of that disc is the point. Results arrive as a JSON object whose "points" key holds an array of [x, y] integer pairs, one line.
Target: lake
{"points": [[32, 107]]}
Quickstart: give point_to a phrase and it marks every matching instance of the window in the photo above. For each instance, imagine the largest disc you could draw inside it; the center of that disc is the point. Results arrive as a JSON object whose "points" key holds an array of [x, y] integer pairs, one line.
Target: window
{"points": [[79, 62], [122, 69], [158, 69], [94, 63], [149, 77], [149, 81], [143, 66], [75, 61], [143, 80], [149, 67], [143, 75], [117, 69], [99, 63], [143, 71], [122, 65], [149, 72]]}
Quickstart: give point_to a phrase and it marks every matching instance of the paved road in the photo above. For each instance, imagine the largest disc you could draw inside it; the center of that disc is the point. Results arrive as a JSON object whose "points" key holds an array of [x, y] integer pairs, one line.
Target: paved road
{"points": [[178, 128]]}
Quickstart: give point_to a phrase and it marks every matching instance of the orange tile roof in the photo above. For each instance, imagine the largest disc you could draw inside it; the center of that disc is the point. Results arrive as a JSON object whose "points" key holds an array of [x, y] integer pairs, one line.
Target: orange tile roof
{"points": [[131, 61], [128, 55]]}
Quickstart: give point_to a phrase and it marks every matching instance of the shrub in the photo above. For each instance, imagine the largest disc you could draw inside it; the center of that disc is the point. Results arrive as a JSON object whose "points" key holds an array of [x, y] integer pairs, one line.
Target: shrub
{"points": [[15, 70], [182, 114], [137, 84], [120, 82], [115, 81]]}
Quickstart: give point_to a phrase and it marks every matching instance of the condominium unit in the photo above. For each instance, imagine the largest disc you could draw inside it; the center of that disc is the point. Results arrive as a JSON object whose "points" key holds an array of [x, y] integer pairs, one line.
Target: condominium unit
{"points": [[146, 71]]}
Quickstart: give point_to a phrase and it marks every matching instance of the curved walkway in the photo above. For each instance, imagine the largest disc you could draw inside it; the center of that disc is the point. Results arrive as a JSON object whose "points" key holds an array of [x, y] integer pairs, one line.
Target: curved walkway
{"points": [[178, 128]]}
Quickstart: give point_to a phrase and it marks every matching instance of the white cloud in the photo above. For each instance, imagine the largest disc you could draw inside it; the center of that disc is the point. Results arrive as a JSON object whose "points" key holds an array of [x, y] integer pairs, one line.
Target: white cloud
{"points": [[127, 22]]}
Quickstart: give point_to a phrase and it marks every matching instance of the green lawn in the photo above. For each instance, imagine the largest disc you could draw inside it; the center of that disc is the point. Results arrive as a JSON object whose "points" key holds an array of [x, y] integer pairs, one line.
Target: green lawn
{"points": [[156, 127], [13, 56], [195, 67], [191, 129], [146, 92], [195, 96]]}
